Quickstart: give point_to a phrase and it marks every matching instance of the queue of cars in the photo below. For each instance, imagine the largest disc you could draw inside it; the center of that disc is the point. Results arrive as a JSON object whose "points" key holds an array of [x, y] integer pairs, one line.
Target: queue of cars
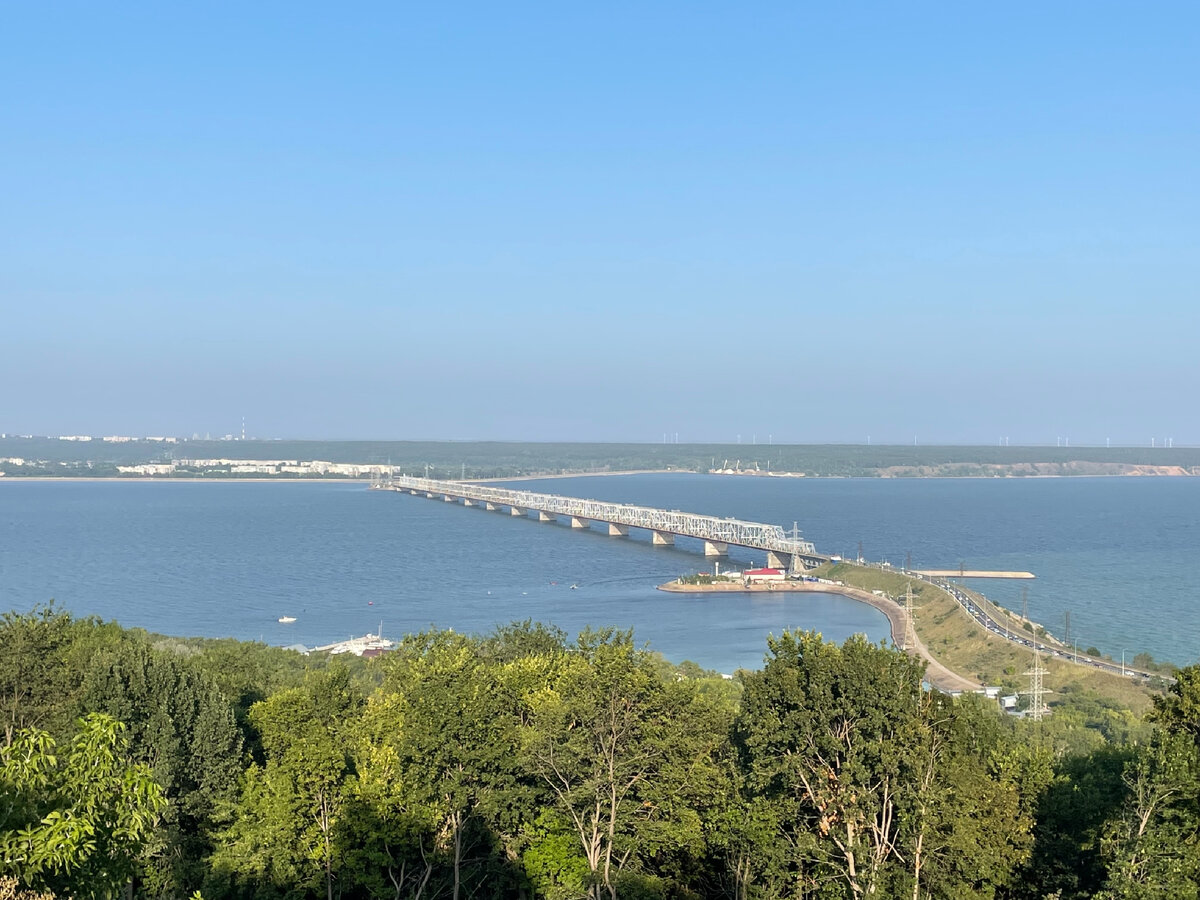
{"points": [[980, 615]]}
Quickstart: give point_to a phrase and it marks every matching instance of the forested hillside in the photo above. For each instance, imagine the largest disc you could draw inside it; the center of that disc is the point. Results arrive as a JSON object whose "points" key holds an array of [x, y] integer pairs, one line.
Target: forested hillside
{"points": [[521, 764]]}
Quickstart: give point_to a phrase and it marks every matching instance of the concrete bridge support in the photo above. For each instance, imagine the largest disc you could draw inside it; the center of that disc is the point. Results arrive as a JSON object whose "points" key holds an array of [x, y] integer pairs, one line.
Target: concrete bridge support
{"points": [[430, 494], [467, 502], [544, 516], [577, 522], [618, 530], [778, 560], [449, 498], [414, 493], [716, 548], [516, 511], [490, 507], [662, 538]]}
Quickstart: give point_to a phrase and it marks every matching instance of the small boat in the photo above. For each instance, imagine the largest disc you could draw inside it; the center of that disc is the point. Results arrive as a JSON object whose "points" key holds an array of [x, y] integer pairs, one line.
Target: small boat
{"points": [[574, 587], [287, 620]]}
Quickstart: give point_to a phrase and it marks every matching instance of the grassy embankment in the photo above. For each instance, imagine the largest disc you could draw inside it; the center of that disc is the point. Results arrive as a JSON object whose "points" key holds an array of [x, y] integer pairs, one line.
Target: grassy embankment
{"points": [[962, 645]]}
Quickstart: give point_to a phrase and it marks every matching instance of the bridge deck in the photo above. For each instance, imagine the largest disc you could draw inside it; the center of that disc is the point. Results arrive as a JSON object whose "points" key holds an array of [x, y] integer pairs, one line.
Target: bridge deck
{"points": [[737, 532]]}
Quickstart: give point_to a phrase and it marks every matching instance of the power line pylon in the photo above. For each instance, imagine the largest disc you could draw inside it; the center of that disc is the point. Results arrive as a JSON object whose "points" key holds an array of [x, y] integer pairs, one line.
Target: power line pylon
{"points": [[910, 628], [1037, 705], [797, 563]]}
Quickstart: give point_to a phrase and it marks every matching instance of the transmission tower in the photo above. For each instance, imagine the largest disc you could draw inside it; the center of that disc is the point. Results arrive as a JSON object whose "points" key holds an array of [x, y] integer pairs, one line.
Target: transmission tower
{"points": [[797, 564], [910, 628], [1037, 705]]}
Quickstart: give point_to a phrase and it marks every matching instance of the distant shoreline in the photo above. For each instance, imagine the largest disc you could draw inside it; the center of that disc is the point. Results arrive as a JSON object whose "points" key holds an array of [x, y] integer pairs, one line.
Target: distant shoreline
{"points": [[1130, 471], [580, 475], [157, 479], [1014, 471]]}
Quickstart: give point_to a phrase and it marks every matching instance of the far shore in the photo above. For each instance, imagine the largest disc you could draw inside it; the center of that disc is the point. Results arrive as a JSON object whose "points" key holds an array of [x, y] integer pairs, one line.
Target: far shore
{"points": [[166, 479], [1158, 472], [577, 475]]}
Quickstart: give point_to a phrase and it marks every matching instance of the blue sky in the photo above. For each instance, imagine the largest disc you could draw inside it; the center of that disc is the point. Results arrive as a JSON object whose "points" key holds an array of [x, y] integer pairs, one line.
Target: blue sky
{"points": [[950, 222]]}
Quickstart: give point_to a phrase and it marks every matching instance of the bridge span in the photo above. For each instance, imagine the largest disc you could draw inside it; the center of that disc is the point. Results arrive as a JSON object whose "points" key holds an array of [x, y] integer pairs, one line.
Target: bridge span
{"points": [[783, 551]]}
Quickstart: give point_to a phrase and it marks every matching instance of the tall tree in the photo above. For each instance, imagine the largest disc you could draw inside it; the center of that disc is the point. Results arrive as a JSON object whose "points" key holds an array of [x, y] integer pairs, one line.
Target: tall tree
{"points": [[75, 823], [35, 682], [284, 832], [875, 786], [182, 726], [626, 756], [828, 737], [454, 738], [1153, 846]]}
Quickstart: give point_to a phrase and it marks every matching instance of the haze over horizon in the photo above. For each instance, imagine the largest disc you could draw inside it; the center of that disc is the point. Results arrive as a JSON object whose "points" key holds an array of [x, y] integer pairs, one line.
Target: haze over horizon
{"points": [[613, 224]]}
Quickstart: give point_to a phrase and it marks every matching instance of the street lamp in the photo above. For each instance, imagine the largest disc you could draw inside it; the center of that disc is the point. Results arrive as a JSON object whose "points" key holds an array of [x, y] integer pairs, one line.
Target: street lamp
{"points": [[1122, 662]]}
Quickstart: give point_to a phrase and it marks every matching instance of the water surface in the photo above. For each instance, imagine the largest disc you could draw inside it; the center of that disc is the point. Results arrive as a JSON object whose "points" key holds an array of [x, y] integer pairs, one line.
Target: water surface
{"points": [[220, 559]]}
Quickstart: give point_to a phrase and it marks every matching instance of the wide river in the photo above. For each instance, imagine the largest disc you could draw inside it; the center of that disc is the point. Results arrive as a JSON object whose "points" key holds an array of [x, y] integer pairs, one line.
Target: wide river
{"points": [[217, 559]]}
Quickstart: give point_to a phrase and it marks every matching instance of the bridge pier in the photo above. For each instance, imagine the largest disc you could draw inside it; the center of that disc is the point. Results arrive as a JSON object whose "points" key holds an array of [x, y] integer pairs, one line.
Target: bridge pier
{"points": [[715, 535]]}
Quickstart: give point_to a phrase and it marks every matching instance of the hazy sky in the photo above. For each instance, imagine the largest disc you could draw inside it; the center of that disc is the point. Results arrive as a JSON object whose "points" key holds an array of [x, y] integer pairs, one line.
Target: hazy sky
{"points": [[612, 221]]}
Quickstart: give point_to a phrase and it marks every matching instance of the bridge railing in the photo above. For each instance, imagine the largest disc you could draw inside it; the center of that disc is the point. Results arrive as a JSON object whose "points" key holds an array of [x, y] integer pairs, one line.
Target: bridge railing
{"points": [[710, 528]]}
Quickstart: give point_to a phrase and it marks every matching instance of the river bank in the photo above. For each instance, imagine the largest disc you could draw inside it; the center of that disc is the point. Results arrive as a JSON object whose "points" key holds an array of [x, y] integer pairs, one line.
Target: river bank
{"points": [[936, 673]]}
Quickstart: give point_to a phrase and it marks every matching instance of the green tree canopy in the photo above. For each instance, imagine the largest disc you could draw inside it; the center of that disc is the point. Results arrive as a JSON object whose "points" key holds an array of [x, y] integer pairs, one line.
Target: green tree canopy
{"points": [[75, 823]]}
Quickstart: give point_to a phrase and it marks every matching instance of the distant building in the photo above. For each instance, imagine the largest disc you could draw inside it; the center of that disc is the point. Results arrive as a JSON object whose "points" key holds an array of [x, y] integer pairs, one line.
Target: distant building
{"points": [[147, 469], [754, 576]]}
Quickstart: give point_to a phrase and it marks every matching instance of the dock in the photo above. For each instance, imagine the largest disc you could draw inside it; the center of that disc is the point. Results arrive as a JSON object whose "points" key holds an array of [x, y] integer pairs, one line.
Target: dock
{"points": [[970, 573]]}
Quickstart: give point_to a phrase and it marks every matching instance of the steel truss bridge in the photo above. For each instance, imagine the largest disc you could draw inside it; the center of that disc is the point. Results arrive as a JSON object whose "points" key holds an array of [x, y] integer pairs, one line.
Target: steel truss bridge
{"points": [[783, 550]]}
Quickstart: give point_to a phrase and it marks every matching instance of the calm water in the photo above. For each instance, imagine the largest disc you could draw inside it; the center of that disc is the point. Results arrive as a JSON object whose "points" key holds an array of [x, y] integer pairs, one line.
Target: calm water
{"points": [[229, 559]]}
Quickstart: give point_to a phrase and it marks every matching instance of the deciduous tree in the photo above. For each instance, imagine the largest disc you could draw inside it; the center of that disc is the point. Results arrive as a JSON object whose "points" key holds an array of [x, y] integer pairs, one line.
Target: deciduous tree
{"points": [[75, 823]]}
